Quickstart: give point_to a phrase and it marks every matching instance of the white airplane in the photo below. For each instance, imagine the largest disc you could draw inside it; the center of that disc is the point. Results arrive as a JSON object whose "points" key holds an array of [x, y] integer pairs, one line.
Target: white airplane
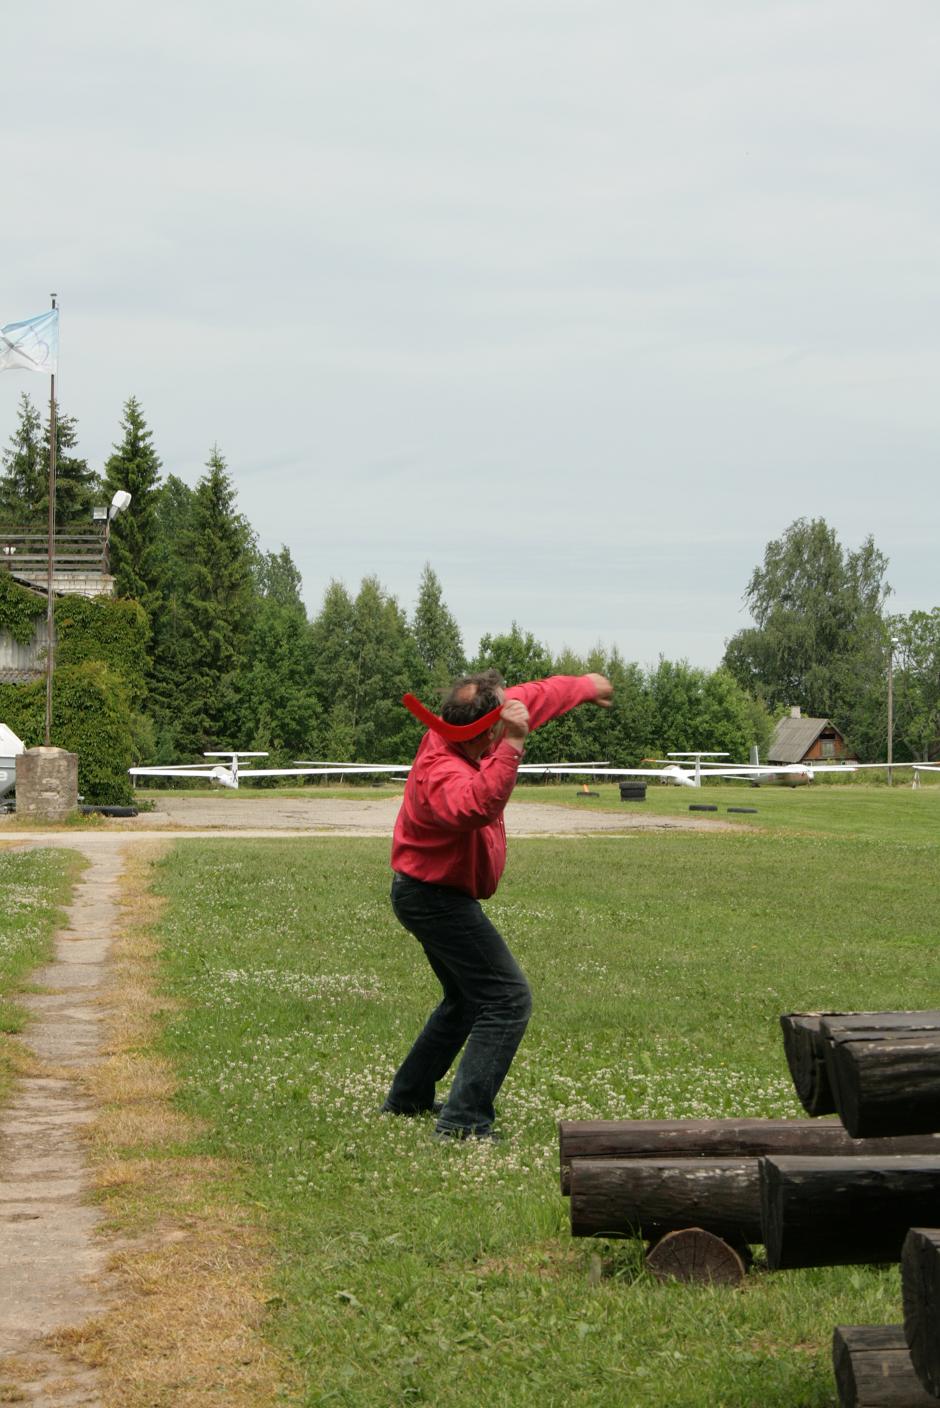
{"points": [[688, 771], [406, 767], [231, 774], [783, 774]]}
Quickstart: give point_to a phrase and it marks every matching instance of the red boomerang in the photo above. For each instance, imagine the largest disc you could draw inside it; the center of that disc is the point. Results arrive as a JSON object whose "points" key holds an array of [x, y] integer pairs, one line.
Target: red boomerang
{"points": [[454, 733]]}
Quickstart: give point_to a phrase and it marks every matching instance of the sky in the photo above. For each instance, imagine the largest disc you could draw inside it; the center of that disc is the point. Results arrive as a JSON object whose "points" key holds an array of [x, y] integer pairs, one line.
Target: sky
{"points": [[580, 301]]}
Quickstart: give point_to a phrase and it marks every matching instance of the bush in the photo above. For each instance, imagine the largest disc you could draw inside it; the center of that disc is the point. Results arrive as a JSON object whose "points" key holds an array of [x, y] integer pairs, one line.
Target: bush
{"points": [[91, 716]]}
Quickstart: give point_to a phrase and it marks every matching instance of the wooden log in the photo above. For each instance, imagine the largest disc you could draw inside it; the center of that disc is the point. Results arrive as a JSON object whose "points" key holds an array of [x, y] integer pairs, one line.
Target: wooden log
{"points": [[650, 1197], [887, 1084], [697, 1257], [748, 1138], [805, 1041], [873, 1369], [834, 1211], [802, 1046], [920, 1287]]}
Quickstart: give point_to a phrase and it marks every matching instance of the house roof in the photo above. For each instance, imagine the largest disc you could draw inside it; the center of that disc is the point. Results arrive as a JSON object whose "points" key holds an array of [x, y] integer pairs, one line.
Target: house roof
{"points": [[793, 738]]}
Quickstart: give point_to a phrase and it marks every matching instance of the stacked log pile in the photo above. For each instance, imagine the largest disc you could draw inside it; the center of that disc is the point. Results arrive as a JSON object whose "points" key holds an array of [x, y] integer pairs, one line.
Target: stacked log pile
{"points": [[659, 1179], [816, 1194], [880, 1071]]}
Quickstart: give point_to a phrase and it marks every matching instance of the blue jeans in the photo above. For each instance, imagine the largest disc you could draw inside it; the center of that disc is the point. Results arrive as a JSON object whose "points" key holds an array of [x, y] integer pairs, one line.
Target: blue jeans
{"points": [[486, 1004]]}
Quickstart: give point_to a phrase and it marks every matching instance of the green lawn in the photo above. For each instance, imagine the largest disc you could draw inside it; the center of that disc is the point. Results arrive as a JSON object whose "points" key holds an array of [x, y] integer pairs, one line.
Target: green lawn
{"points": [[409, 1272], [33, 885]]}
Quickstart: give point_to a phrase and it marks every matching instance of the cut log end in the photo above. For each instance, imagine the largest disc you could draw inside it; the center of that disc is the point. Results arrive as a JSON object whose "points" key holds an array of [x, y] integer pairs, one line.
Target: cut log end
{"points": [[873, 1369], [696, 1256]]}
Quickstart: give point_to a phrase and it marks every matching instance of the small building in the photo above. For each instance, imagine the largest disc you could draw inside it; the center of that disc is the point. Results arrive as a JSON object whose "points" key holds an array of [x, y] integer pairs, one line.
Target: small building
{"points": [[81, 568], [799, 739]]}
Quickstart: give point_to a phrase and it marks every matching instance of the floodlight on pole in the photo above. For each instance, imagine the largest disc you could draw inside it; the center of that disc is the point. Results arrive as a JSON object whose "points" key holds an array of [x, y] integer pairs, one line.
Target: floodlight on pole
{"points": [[119, 502]]}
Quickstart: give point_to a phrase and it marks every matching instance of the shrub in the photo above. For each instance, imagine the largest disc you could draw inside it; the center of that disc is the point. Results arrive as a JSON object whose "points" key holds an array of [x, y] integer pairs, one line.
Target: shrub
{"points": [[91, 716]]}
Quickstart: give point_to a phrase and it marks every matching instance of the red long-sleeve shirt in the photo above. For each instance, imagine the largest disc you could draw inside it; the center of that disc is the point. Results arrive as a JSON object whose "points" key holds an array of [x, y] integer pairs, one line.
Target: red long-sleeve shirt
{"points": [[450, 827]]}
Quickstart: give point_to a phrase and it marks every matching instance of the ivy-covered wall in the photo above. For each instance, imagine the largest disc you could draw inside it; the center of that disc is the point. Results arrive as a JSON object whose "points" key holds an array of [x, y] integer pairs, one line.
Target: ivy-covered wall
{"points": [[20, 610], [113, 630], [91, 716], [99, 680]]}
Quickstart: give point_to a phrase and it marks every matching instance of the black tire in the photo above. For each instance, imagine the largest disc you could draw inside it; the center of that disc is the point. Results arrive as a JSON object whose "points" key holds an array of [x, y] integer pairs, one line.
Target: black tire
{"points": [[702, 807], [742, 809]]}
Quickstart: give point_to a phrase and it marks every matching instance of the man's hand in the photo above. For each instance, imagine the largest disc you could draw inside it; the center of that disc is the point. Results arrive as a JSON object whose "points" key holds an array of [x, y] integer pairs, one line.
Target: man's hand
{"points": [[515, 718], [605, 690]]}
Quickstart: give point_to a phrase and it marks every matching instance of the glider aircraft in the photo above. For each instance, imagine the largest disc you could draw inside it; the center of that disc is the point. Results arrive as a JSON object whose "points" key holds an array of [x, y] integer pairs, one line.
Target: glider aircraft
{"points": [[231, 774]]}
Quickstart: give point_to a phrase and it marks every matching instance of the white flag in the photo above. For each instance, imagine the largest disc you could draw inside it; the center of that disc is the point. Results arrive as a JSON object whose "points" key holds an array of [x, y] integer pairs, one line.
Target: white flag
{"points": [[31, 346]]}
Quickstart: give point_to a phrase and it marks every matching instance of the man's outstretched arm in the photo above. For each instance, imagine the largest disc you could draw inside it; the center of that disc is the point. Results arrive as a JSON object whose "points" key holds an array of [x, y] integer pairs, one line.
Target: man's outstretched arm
{"points": [[547, 699]]}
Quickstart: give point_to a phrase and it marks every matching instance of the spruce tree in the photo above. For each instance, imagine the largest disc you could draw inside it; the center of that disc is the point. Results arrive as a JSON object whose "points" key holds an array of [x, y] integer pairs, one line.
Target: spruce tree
{"points": [[333, 675], [134, 466], [436, 635], [77, 486], [25, 477], [172, 657], [386, 665], [218, 607], [279, 708]]}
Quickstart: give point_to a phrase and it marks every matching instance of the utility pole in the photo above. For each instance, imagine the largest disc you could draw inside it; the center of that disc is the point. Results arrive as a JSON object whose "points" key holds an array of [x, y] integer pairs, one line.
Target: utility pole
{"points": [[50, 599]]}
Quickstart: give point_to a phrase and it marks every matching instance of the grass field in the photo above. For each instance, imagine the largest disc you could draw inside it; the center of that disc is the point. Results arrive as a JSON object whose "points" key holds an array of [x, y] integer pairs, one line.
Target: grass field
{"points": [[33, 885], [409, 1272]]}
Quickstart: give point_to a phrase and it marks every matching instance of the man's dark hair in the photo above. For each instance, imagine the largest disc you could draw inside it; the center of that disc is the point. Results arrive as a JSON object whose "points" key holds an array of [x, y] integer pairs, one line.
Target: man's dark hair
{"points": [[472, 696]]}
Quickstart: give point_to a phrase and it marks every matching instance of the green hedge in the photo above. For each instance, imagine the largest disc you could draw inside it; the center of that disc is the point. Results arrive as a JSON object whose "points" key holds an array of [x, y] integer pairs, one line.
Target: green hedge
{"points": [[91, 716]]}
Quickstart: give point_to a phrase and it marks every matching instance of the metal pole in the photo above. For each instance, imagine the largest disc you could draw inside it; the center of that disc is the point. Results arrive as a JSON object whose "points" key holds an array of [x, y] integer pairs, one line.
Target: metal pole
{"points": [[50, 600], [890, 711]]}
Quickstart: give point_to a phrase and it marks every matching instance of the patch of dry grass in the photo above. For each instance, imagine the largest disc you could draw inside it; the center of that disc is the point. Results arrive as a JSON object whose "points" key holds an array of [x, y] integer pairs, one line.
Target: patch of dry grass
{"points": [[187, 1319]]}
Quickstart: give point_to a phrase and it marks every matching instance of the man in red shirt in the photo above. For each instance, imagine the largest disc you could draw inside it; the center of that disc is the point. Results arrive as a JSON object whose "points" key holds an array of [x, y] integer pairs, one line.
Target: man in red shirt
{"points": [[448, 853]]}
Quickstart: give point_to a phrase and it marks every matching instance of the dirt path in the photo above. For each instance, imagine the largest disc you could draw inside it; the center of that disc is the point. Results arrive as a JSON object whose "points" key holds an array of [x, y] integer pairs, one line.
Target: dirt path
{"points": [[53, 1266]]}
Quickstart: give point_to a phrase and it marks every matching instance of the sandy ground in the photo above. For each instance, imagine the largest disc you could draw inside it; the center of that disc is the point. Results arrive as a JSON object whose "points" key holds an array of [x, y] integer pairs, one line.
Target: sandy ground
{"points": [[373, 817]]}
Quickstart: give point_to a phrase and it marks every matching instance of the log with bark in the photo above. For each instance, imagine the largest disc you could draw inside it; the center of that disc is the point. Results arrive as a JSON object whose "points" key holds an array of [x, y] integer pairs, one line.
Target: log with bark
{"points": [[746, 1138], [650, 1197], [833, 1211], [873, 1369], [920, 1286], [806, 1038], [886, 1083], [802, 1045]]}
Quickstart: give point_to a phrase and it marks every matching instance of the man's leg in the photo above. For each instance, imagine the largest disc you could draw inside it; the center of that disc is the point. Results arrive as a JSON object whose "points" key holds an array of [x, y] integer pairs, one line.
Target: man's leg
{"points": [[417, 907], [495, 1001]]}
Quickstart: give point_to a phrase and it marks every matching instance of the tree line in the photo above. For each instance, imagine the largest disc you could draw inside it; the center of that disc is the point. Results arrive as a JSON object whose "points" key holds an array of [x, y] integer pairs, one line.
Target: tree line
{"points": [[234, 661]]}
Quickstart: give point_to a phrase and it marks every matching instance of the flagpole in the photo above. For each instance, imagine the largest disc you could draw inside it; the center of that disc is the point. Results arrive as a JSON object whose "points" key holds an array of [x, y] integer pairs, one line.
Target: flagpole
{"points": [[50, 612]]}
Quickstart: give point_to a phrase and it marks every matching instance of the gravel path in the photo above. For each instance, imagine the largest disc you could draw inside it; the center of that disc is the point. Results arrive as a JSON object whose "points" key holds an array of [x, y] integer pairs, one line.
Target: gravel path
{"points": [[53, 1266], [376, 817]]}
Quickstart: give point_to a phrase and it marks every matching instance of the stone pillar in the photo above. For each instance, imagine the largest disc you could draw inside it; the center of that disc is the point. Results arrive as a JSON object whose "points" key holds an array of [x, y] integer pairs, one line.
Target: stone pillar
{"points": [[46, 784]]}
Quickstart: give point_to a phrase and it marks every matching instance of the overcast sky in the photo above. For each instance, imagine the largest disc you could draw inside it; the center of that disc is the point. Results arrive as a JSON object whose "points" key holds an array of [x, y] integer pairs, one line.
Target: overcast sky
{"points": [[582, 301]]}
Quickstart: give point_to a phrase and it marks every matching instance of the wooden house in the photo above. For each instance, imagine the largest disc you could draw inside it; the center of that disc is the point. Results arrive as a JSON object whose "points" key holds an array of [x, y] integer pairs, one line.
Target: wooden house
{"points": [[800, 739]]}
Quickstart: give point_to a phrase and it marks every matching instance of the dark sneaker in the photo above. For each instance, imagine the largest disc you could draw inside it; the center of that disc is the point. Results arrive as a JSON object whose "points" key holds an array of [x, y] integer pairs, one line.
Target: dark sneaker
{"points": [[460, 1132]]}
